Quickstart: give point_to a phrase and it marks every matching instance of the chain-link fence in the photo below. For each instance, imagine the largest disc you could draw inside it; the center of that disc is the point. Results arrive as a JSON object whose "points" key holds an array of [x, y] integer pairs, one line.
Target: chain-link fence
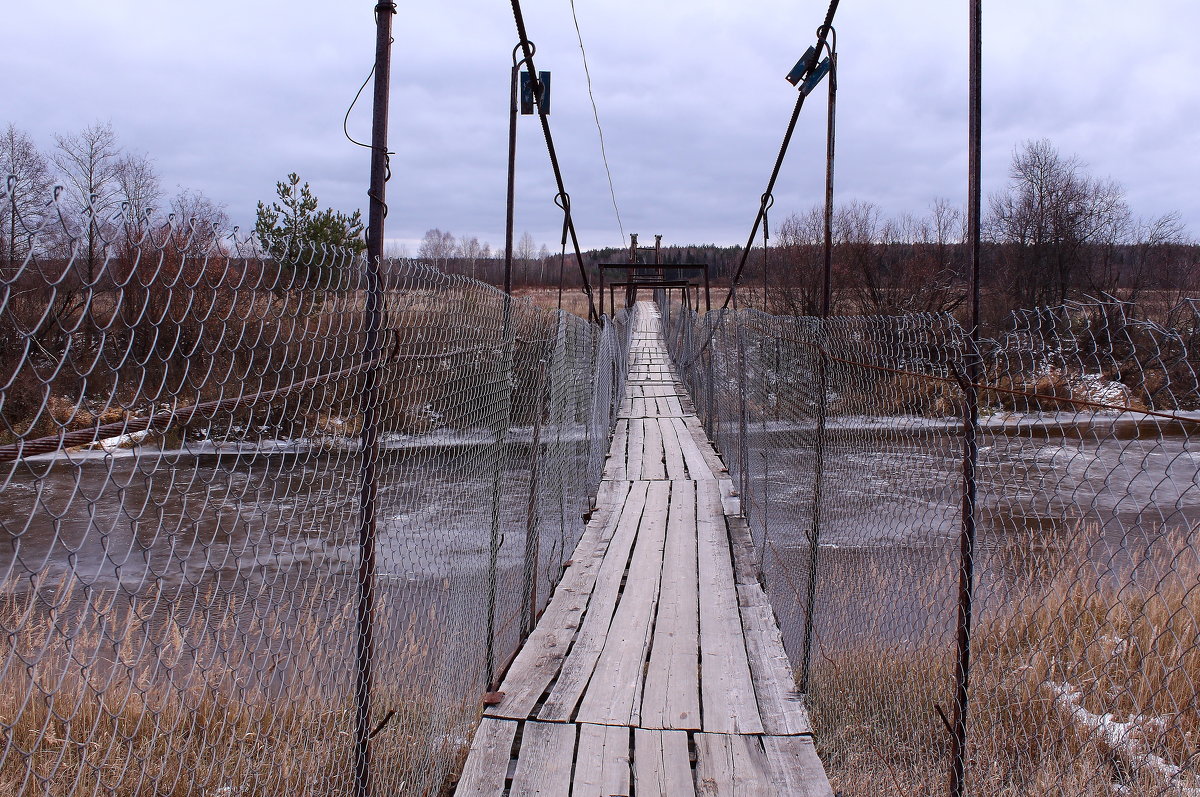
{"points": [[846, 439], [184, 599]]}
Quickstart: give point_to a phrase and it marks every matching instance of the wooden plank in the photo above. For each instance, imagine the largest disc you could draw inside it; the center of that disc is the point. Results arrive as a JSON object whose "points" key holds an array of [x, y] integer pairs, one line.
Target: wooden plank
{"points": [[671, 698], [545, 760], [661, 764], [745, 558], [487, 763], [730, 503], [602, 761], [580, 662], [696, 430], [676, 469], [727, 690], [697, 465], [652, 451], [613, 696], [542, 655], [795, 768], [633, 462], [614, 467], [733, 765], [780, 706]]}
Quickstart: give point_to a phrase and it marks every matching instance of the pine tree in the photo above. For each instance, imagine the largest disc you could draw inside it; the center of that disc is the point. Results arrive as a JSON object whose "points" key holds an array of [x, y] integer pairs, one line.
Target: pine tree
{"points": [[311, 245]]}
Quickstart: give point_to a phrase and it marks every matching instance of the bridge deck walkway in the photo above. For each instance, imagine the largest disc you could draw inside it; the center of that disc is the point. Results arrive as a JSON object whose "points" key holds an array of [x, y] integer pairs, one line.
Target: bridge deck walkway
{"points": [[657, 668]]}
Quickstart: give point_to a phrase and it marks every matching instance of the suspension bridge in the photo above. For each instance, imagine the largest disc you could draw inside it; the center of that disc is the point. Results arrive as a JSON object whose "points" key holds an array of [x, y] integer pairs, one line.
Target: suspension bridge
{"points": [[319, 522], [658, 666]]}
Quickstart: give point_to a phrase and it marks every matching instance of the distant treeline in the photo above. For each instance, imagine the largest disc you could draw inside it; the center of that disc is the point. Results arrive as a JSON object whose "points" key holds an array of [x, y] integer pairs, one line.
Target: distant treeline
{"points": [[1055, 234]]}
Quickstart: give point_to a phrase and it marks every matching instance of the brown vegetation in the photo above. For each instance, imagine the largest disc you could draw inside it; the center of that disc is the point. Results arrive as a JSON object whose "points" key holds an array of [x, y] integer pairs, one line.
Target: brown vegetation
{"points": [[1068, 649], [122, 698]]}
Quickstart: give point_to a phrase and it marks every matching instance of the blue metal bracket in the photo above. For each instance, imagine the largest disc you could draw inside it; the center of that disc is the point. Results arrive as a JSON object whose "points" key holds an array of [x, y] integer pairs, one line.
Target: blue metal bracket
{"points": [[811, 83], [797, 73], [528, 107]]}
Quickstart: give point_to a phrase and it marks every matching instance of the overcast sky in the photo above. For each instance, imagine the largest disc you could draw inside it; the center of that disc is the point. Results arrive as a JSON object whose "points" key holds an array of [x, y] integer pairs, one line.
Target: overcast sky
{"points": [[228, 97]]}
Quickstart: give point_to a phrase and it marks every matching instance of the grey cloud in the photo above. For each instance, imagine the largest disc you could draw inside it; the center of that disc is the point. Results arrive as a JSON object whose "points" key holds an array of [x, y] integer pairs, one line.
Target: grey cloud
{"points": [[228, 97]]}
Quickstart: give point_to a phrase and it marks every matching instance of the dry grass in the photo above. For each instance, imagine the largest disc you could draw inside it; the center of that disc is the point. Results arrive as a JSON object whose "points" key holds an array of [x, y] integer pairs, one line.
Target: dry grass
{"points": [[96, 699], [1068, 649], [573, 299]]}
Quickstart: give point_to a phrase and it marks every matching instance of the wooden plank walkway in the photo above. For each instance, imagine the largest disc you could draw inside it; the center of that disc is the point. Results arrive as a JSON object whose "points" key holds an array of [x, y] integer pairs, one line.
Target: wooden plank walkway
{"points": [[657, 668]]}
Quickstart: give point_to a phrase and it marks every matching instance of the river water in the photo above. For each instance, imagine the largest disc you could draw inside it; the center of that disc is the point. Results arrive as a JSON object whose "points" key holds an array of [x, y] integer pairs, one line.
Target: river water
{"points": [[282, 526]]}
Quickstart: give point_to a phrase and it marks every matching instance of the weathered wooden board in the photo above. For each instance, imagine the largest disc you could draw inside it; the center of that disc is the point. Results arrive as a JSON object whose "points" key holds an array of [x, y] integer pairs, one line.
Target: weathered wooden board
{"points": [[733, 765], [612, 695], [589, 640], [614, 466], [653, 466], [673, 455], [633, 462], [487, 763], [661, 764], [795, 768], [728, 702], [672, 693], [602, 761], [541, 656], [545, 760], [697, 464]]}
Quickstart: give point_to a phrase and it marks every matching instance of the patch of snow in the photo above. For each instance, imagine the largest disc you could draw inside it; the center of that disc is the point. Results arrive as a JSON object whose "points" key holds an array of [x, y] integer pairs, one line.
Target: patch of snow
{"points": [[111, 444], [1124, 738]]}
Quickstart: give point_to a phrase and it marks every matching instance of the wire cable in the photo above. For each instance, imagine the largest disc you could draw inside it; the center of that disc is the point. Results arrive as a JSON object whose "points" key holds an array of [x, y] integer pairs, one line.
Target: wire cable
{"points": [[527, 48], [596, 115], [768, 196]]}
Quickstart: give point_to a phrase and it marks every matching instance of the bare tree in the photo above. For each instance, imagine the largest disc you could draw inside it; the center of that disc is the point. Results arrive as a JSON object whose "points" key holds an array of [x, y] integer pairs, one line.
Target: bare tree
{"points": [[796, 265], [543, 257], [88, 162], [860, 233], [470, 252], [138, 188], [524, 254], [199, 223], [26, 181], [397, 251], [437, 247], [1046, 220]]}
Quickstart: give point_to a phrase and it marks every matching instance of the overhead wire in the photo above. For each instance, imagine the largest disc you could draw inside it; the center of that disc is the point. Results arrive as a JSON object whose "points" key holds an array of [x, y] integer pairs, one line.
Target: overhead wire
{"points": [[596, 115]]}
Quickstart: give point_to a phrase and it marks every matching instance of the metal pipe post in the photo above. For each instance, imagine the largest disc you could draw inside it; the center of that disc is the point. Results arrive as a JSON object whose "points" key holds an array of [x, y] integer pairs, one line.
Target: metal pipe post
{"points": [[369, 493], [966, 572], [743, 413], [532, 543], [512, 173], [814, 534], [830, 137]]}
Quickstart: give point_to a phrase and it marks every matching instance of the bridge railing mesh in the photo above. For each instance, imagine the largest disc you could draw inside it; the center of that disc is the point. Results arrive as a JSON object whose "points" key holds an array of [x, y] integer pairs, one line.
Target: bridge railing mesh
{"points": [[845, 439], [182, 473]]}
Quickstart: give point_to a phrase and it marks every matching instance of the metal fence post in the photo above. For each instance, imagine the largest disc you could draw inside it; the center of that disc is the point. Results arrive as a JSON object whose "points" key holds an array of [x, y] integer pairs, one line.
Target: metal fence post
{"points": [[814, 536], [368, 497], [532, 542], [966, 572], [499, 452], [743, 414]]}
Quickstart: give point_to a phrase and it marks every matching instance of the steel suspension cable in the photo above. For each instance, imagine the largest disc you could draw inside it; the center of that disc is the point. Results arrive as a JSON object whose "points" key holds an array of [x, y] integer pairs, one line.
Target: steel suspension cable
{"points": [[768, 197], [822, 35], [527, 51]]}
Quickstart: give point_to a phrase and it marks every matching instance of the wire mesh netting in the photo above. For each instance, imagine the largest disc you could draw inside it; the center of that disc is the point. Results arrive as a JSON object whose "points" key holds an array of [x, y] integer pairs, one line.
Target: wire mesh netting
{"points": [[183, 485], [845, 438]]}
